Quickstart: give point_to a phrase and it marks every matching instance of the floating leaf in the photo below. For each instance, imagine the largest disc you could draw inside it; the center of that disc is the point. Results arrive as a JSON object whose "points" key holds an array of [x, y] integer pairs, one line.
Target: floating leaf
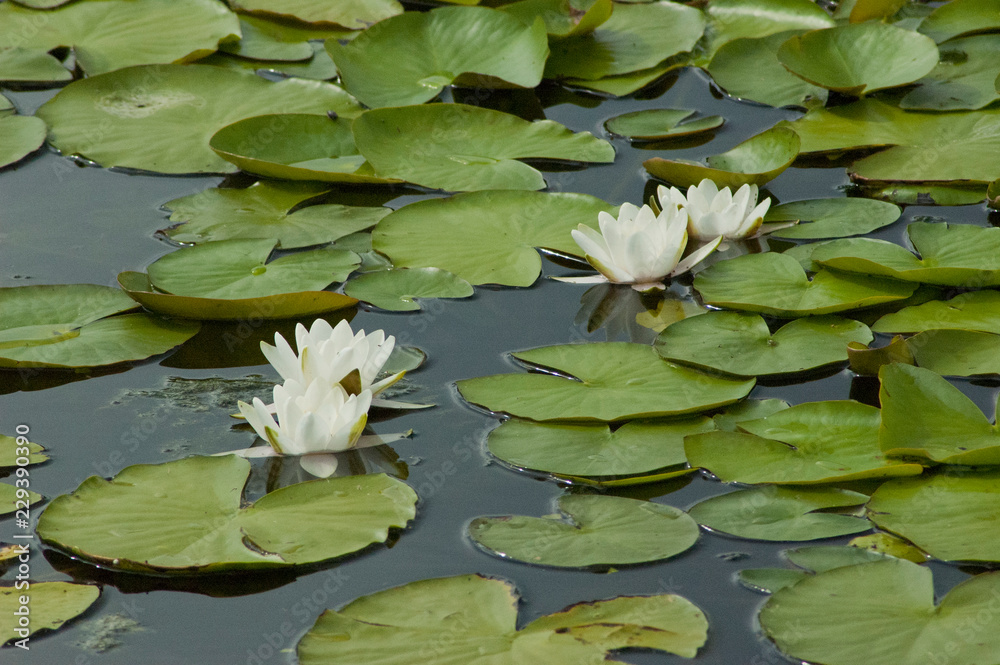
{"points": [[730, 20], [964, 79], [925, 416], [9, 456], [951, 255], [636, 37], [957, 352], [563, 18], [352, 14], [926, 194], [473, 148], [25, 65], [15, 498], [395, 290], [831, 218], [318, 68], [973, 310], [756, 161], [769, 580], [52, 604], [776, 284], [262, 211], [130, 118], [815, 559], [859, 58], [499, 248], [410, 58], [779, 513], [749, 69], [295, 146], [868, 361], [637, 447], [186, 516], [113, 34], [749, 409], [19, 137], [890, 545], [815, 442], [882, 613], [480, 616], [867, 10], [661, 124], [626, 84], [597, 530], [264, 40], [601, 381], [960, 17], [741, 344]]}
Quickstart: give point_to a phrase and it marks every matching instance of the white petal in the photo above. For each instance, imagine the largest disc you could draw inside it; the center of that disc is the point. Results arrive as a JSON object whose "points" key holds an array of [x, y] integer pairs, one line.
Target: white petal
{"points": [[282, 358], [695, 257]]}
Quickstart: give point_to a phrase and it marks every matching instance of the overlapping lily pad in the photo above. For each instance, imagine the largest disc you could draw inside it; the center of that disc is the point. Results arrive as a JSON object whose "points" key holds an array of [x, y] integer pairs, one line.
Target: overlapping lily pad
{"points": [[741, 344], [295, 146], [961, 17], [395, 290], [957, 352], [186, 517], [810, 560], [776, 284], [636, 37], [925, 416], [563, 18], [52, 604], [26, 65], [410, 58], [318, 68], [473, 148], [597, 530], [661, 124], [780, 513], [859, 58], [161, 118], [756, 161], [479, 615], [815, 442], [72, 326], [950, 255], [951, 516], [353, 14], [882, 613], [832, 218], [499, 247], [19, 137], [266, 40], [972, 310], [602, 381], [729, 20], [965, 79], [113, 34]]}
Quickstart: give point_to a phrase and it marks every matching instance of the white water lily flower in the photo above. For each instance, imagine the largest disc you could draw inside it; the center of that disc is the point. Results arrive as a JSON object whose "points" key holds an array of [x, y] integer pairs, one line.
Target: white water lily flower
{"points": [[639, 248], [713, 212]]}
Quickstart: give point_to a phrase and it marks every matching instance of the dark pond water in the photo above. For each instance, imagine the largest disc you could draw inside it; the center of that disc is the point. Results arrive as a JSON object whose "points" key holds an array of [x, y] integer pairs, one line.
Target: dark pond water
{"points": [[63, 224]]}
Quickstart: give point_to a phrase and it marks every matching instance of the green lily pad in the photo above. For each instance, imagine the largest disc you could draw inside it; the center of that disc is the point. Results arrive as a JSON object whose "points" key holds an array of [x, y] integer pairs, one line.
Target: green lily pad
{"points": [[729, 20], [267, 210], [604, 382], [890, 545], [815, 442], [130, 118], [882, 613], [661, 124], [636, 37], [234, 269], [925, 416], [626, 84], [961, 17], [814, 559], [64, 326], [748, 68], [993, 190], [951, 255], [949, 148], [26, 65], [780, 513], [499, 248], [867, 361], [594, 451], [282, 306], [926, 194], [351, 14], [113, 34], [473, 148], [957, 352], [867, 10], [318, 68], [394, 290], [186, 517], [749, 409], [410, 58], [265, 40], [563, 18], [9, 457], [950, 516], [859, 58], [964, 79], [831, 218], [769, 580], [742, 345], [756, 161], [973, 310], [295, 146], [597, 530], [51, 605], [480, 616], [19, 137], [777, 285], [12, 498]]}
